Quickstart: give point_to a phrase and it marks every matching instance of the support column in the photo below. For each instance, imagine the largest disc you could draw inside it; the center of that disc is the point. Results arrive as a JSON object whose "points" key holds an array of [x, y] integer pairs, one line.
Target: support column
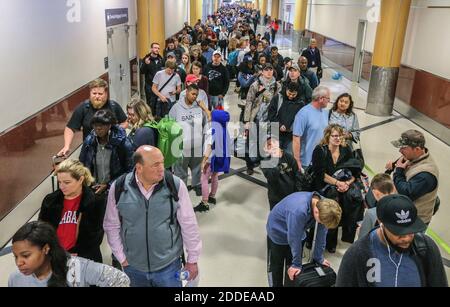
{"points": [[192, 12], [256, 6], [301, 8], [196, 11], [216, 5], [275, 9], [143, 28], [263, 9], [157, 25], [387, 56]]}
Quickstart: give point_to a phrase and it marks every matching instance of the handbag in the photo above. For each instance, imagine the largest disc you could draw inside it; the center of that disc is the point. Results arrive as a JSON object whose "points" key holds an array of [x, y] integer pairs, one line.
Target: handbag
{"points": [[357, 153], [305, 181]]}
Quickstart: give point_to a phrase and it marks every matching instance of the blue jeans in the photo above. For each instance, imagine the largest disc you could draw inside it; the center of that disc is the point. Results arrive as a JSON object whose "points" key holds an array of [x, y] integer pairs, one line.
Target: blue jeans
{"points": [[162, 278], [216, 101]]}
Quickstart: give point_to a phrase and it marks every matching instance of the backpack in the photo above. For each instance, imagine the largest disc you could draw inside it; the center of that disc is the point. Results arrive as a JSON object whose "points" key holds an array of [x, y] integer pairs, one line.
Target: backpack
{"points": [[233, 58], [168, 176], [169, 132]]}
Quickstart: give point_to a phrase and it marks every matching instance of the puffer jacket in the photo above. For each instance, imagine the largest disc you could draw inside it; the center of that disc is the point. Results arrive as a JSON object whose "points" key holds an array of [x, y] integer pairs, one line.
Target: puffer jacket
{"points": [[121, 156]]}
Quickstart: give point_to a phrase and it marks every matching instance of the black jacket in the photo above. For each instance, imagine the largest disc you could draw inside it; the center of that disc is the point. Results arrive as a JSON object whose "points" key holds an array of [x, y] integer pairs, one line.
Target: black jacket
{"points": [[287, 112], [282, 180], [322, 163], [313, 57], [90, 234], [121, 157], [218, 79], [150, 70], [354, 267], [306, 91]]}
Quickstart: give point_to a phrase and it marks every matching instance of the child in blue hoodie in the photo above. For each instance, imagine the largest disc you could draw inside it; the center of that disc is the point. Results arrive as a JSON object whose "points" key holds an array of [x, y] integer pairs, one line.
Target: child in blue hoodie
{"points": [[216, 157]]}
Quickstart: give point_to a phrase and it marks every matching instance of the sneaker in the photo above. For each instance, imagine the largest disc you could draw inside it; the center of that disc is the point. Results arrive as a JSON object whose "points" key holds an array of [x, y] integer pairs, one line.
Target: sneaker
{"points": [[212, 200], [202, 207], [198, 190], [250, 171]]}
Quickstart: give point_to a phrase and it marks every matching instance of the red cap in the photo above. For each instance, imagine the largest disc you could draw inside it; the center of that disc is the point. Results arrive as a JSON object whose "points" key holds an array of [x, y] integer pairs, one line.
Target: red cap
{"points": [[192, 78]]}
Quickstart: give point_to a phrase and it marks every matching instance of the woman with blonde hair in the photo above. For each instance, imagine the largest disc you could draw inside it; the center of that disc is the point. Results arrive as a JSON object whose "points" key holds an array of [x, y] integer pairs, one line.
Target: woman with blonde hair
{"points": [[186, 64], [73, 211], [185, 43], [196, 55], [139, 118], [336, 171]]}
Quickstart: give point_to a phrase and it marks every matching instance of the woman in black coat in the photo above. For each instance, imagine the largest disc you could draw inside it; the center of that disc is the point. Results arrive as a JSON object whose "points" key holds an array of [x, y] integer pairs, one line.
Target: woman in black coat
{"points": [[335, 172], [74, 213]]}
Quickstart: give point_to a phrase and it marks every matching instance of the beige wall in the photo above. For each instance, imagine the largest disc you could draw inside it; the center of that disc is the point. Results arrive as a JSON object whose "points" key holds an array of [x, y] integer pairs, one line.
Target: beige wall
{"points": [[44, 57], [427, 43], [176, 13]]}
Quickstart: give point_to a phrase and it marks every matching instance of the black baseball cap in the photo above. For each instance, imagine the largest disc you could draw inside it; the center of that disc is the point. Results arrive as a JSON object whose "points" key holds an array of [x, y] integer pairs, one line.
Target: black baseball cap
{"points": [[399, 215]]}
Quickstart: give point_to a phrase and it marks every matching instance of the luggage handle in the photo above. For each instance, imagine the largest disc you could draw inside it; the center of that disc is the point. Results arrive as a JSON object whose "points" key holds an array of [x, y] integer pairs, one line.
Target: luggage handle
{"points": [[57, 160], [313, 247]]}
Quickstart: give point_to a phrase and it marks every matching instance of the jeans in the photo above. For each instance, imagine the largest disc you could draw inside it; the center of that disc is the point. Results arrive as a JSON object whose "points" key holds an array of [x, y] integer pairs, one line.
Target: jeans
{"points": [[162, 278], [279, 257], [216, 101]]}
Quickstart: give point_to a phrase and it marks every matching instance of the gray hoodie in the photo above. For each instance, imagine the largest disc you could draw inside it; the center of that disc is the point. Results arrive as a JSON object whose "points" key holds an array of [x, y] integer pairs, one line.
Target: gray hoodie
{"points": [[192, 119], [81, 273]]}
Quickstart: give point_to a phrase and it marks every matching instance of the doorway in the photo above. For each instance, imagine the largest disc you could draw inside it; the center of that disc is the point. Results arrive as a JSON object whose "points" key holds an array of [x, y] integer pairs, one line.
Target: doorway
{"points": [[119, 64], [359, 51]]}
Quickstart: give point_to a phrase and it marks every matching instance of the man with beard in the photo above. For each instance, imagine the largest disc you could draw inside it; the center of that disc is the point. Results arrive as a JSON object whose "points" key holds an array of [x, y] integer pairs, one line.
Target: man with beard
{"points": [[83, 114], [150, 65], [397, 254]]}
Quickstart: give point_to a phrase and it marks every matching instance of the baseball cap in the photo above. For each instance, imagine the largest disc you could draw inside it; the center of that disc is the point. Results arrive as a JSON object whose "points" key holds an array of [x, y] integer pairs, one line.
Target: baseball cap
{"points": [[217, 52], [171, 54], [268, 66], [411, 138], [295, 66], [399, 215], [247, 59], [192, 78]]}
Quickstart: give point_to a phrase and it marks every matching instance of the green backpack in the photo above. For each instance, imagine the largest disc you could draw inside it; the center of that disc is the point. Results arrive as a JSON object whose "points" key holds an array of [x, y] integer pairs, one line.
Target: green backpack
{"points": [[170, 139]]}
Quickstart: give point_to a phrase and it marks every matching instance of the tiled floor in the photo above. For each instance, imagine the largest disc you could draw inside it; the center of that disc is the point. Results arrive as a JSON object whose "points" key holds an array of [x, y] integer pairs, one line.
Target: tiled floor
{"points": [[233, 231]]}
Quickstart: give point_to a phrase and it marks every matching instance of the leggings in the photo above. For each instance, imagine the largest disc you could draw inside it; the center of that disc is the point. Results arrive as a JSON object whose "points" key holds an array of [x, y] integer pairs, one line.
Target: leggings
{"points": [[205, 184]]}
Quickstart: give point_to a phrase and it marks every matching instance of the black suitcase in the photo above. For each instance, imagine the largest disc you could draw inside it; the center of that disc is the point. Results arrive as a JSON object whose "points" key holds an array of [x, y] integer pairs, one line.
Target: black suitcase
{"points": [[313, 274]]}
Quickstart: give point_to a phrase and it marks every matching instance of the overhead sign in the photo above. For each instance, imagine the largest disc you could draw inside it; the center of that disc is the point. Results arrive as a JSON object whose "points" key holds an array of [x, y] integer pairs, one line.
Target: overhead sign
{"points": [[116, 17]]}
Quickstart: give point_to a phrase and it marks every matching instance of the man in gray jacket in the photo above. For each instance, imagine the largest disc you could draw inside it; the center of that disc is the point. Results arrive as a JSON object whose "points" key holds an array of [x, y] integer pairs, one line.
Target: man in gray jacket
{"points": [[192, 118]]}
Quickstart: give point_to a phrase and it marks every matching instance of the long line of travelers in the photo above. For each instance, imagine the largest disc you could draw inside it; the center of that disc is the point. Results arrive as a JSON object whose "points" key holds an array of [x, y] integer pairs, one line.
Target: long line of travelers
{"points": [[134, 187]]}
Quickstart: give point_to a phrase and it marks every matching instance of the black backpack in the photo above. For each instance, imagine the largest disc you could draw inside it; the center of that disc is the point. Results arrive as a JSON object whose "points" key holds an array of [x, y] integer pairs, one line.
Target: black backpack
{"points": [[120, 188]]}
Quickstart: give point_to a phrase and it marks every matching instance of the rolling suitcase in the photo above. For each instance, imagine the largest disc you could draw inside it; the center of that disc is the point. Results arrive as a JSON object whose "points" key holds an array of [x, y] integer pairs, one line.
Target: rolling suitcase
{"points": [[313, 274]]}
